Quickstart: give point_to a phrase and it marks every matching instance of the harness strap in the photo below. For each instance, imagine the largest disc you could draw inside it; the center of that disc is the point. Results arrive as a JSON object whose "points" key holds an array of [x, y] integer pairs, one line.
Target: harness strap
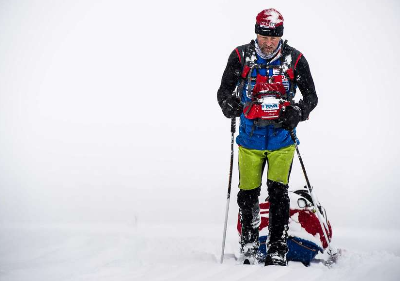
{"points": [[249, 105], [249, 81], [268, 93], [266, 66]]}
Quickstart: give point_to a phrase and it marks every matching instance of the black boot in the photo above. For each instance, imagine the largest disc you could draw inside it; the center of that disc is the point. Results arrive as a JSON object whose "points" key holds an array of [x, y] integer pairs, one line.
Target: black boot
{"points": [[278, 223], [249, 211]]}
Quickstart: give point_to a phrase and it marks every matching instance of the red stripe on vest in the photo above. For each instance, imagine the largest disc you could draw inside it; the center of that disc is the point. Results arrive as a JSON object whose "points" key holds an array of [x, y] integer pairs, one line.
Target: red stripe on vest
{"points": [[290, 71], [237, 52], [297, 60]]}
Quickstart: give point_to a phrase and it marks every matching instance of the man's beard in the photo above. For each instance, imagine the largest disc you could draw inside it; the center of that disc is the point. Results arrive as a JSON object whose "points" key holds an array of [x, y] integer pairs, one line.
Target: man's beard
{"points": [[267, 50]]}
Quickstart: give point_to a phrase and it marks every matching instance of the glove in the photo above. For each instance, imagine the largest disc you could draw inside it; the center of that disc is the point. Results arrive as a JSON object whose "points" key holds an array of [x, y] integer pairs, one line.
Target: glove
{"points": [[290, 117], [231, 107]]}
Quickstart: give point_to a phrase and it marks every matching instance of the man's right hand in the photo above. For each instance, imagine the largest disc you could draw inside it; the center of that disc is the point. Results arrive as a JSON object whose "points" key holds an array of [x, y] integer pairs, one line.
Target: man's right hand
{"points": [[231, 107]]}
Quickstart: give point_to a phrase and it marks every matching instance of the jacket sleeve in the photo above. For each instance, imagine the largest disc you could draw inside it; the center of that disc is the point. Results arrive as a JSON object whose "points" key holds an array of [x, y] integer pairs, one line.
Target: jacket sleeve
{"points": [[230, 77], [306, 86]]}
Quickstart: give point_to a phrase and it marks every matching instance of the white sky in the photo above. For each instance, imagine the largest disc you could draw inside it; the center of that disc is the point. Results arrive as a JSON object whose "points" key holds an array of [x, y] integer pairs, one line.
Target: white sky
{"points": [[108, 108]]}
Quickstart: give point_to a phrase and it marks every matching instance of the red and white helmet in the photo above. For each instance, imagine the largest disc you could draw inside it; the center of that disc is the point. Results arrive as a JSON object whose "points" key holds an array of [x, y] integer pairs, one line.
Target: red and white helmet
{"points": [[269, 22]]}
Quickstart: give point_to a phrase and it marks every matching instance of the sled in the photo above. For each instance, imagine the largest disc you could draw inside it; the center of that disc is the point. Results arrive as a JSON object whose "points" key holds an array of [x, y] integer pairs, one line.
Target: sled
{"points": [[305, 236]]}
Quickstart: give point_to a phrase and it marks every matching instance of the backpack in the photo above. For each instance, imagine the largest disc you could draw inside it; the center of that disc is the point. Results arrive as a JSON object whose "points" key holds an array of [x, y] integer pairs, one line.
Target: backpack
{"points": [[269, 95]]}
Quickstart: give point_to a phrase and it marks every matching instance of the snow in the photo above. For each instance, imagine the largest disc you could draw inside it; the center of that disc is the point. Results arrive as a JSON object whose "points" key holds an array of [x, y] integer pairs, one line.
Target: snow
{"points": [[97, 182], [173, 252]]}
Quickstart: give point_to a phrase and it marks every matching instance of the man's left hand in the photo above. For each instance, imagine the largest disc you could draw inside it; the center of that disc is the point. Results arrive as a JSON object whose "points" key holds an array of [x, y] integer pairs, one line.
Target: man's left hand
{"points": [[290, 117]]}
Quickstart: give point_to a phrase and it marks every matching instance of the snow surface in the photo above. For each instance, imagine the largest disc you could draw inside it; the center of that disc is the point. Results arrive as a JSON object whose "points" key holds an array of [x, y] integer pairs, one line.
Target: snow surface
{"points": [[174, 252], [114, 154]]}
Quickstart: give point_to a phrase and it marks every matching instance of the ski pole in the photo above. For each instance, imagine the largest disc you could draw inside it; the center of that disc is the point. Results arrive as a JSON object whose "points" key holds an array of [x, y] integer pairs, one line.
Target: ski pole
{"points": [[233, 129], [331, 251]]}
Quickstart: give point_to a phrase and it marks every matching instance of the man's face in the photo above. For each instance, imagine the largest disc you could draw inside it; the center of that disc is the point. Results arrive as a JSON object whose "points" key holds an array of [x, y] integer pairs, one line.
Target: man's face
{"points": [[268, 44]]}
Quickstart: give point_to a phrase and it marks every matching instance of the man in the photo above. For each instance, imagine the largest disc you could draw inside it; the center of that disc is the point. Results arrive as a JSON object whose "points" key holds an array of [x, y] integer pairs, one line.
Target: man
{"points": [[265, 74]]}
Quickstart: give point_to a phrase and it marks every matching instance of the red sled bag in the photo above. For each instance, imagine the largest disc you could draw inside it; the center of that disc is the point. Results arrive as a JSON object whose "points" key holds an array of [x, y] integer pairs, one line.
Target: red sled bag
{"points": [[305, 236]]}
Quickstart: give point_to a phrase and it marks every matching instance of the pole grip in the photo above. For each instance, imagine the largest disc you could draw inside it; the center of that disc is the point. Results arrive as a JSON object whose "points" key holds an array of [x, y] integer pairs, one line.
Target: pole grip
{"points": [[233, 125]]}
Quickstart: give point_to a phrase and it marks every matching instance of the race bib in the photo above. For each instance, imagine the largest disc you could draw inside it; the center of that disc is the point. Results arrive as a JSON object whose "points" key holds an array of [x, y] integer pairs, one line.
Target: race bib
{"points": [[270, 104]]}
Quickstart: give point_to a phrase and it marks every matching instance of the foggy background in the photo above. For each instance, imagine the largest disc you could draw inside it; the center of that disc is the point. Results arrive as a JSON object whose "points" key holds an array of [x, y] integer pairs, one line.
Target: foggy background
{"points": [[108, 109]]}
